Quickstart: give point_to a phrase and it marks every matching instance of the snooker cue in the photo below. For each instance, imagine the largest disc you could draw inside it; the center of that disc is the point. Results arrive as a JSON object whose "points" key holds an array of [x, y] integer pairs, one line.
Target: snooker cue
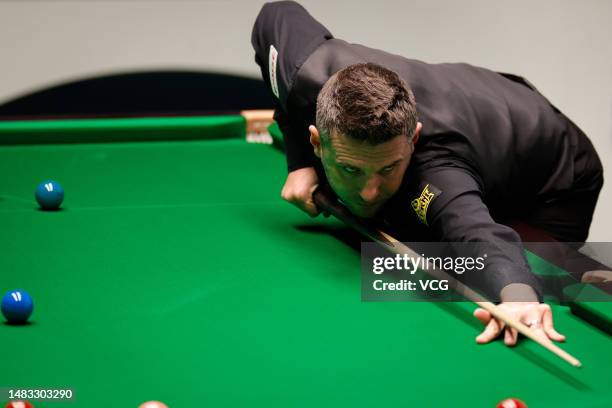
{"points": [[325, 203]]}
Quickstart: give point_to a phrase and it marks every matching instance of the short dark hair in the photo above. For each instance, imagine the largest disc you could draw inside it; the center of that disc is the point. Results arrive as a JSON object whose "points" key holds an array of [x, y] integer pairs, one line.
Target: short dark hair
{"points": [[366, 102]]}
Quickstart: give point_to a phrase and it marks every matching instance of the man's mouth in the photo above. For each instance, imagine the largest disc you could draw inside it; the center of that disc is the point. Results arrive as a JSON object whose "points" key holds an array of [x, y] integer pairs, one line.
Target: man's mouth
{"points": [[366, 207], [356, 205]]}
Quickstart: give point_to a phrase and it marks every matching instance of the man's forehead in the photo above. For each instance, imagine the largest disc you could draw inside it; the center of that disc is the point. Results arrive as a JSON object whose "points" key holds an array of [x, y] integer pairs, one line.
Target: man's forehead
{"points": [[347, 149]]}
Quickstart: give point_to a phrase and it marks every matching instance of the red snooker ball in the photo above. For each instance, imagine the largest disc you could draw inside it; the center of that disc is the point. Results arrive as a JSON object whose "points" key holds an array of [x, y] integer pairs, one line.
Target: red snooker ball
{"points": [[153, 404], [512, 403], [19, 404]]}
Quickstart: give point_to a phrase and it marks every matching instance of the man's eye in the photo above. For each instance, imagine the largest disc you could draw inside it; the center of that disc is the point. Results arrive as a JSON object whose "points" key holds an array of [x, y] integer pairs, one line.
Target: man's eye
{"points": [[350, 170], [388, 169]]}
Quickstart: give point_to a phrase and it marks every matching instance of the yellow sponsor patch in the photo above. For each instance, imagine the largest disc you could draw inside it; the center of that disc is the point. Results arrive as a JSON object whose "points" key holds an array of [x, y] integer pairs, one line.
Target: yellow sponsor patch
{"points": [[421, 204]]}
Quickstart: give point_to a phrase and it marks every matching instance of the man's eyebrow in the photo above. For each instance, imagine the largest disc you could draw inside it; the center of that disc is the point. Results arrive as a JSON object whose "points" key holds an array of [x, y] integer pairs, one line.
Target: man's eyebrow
{"points": [[392, 164], [346, 164]]}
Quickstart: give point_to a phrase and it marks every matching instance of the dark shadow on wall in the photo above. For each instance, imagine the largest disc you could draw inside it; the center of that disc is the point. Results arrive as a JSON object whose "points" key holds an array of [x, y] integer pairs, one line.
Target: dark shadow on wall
{"points": [[151, 93]]}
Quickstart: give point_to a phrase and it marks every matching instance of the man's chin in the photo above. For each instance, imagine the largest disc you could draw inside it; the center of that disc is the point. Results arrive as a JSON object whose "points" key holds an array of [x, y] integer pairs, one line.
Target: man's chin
{"points": [[365, 212]]}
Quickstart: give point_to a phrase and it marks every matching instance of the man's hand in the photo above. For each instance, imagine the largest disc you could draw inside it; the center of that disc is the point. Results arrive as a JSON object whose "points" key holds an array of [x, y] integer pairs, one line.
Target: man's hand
{"points": [[536, 315], [519, 301], [299, 187], [597, 277]]}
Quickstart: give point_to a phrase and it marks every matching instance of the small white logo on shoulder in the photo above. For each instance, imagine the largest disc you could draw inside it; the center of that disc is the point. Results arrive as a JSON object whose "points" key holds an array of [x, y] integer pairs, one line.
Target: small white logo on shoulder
{"points": [[272, 58]]}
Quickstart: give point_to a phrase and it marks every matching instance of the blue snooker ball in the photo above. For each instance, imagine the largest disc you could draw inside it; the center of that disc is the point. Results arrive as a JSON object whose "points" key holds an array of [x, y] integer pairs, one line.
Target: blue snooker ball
{"points": [[17, 306], [49, 195]]}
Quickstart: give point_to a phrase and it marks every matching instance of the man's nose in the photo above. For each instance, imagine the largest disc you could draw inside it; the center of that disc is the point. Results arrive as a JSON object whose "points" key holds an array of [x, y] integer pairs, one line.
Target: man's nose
{"points": [[370, 192]]}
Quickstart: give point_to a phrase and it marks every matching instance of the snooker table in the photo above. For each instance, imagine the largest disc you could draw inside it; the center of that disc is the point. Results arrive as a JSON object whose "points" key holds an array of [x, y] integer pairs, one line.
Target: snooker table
{"points": [[175, 272]]}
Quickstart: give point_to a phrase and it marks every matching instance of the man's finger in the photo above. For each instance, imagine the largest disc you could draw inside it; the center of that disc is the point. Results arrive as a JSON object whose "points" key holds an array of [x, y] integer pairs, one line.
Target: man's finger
{"points": [[548, 324], [490, 332], [510, 336], [310, 207], [596, 276], [312, 189], [482, 315]]}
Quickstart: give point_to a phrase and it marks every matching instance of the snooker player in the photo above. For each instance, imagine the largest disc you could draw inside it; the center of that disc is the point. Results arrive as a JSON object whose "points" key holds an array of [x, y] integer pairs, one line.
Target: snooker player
{"points": [[435, 152]]}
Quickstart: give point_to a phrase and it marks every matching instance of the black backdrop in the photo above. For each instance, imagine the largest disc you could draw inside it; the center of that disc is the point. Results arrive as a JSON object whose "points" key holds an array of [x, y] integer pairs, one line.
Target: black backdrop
{"points": [[143, 94]]}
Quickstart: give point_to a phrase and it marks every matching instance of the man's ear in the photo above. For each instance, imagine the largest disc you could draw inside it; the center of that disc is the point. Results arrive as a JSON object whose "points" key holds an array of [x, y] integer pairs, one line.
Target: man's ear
{"points": [[315, 140], [417, 133]]}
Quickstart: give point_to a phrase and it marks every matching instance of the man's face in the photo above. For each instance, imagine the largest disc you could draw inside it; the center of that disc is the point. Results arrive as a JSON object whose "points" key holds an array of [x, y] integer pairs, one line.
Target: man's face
{"points": [[364, 176]]}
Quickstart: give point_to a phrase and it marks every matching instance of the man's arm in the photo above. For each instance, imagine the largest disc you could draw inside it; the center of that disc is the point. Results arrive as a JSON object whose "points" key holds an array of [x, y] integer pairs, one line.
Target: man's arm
{"points": [[284, 36], [465, 218], [462, 216], [458, 213], [298, 149]]}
